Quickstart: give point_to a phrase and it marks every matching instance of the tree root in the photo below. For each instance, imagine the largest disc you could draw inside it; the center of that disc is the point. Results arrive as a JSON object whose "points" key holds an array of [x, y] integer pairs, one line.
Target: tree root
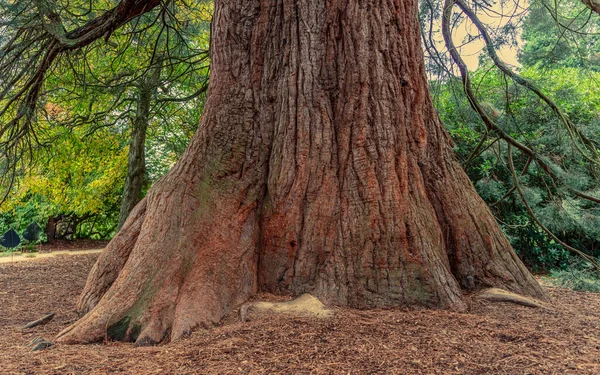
{"points": [[44, 320], [501, 295], [305, 305]]}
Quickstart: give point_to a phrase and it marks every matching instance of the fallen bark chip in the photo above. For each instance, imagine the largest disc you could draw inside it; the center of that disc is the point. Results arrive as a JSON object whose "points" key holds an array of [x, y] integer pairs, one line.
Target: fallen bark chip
{"points": [[34, 341], [44, 320]]}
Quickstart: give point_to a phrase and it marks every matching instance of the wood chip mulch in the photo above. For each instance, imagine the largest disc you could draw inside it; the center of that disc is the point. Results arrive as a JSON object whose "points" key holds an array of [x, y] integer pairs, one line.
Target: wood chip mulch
{"points": [[78, 244], [492, 338]]}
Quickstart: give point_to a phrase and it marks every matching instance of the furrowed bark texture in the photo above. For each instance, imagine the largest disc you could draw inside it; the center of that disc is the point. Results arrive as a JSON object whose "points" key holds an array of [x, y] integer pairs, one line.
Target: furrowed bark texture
{"points": [[319, 166]]}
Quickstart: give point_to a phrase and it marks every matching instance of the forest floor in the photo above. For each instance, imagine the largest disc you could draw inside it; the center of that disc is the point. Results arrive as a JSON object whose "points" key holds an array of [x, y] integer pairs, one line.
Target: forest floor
{"points": [[23, 257], [491, 338], [54, 248]]}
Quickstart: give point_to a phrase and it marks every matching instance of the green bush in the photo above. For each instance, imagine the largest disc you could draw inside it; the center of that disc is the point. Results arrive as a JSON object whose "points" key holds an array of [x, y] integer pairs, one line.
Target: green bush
{"points": [[577, 277], [521, 114]]}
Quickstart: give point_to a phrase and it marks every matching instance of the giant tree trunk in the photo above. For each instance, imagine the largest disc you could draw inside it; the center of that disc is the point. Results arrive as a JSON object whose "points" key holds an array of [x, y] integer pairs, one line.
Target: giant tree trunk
{"points": [[319, 166]]}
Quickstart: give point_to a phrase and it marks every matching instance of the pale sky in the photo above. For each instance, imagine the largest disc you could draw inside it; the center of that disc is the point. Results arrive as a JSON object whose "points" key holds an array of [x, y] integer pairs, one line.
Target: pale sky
{"points": [[471, 51]]}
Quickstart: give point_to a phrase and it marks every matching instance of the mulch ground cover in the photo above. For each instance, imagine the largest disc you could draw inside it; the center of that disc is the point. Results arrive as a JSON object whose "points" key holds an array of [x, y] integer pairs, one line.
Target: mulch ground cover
{"points": [[491, 338], [78, 244]]}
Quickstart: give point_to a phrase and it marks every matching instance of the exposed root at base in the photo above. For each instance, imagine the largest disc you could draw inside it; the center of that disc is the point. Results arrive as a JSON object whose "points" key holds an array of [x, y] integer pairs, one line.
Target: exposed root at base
{"points": [[501, 295], [305, 305]]}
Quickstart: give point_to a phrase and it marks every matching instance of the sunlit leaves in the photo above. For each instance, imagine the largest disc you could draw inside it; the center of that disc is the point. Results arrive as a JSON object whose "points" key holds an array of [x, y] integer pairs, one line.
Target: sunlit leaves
{"points": [[75, 175]]}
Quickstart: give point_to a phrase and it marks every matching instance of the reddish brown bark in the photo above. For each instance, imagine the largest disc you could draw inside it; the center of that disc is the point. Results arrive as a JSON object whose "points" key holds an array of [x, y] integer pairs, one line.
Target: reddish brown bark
{"points": [[320, 166]]}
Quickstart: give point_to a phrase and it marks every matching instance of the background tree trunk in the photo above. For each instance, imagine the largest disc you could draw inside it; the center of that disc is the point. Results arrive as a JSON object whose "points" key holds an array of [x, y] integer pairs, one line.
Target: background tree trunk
{"points": [[319, 166], [136, 165], [51, 228]]}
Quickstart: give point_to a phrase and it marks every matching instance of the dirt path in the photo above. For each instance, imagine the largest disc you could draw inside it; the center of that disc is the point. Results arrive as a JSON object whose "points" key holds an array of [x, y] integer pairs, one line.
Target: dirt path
{"points": [[24, 257], [489, 339]]}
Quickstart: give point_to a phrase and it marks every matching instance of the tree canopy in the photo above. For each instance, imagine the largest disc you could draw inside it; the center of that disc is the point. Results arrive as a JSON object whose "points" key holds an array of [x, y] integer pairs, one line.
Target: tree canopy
{"points": [[93, 95]]}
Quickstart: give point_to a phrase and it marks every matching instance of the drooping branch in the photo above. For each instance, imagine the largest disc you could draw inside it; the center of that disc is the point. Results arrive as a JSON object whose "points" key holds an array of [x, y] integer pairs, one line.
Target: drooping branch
{"points": [[477, 150], [512, 189], [106, 24], [594, 5], [487, 120], [192, 96], [591, 154], [518, 188]]}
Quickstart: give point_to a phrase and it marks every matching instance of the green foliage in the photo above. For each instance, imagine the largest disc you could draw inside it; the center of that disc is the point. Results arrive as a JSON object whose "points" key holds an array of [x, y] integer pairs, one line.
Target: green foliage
{"points": [[88, 105], [76, 175], [527, 119], [577, 276], [560, 34]]}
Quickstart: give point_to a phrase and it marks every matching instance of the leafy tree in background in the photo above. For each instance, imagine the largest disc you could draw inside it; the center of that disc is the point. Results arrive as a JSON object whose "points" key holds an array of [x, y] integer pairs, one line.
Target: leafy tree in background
{"points": [[567, 79], [75, 187], [560, 34], [143, 81]]}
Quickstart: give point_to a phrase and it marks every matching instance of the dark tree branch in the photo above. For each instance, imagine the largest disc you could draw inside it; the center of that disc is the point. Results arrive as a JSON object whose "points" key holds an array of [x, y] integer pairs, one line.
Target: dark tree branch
{"points": [[593, 5], [474, 102], [572, 130]]}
